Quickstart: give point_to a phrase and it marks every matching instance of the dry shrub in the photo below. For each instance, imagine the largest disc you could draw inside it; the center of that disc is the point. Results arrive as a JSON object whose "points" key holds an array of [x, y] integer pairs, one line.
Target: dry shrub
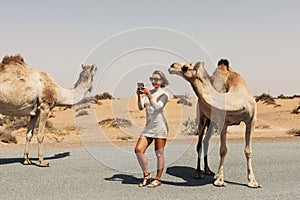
{"points": [[82, 107], [14, 123], [185, 102], [288, 97], [82, 113], [190, 127], [265, 98], [181, 96], [4, 120], [7, 138], [293, 131], [126, 138], [296, 110], [183, 99], [104, 95], [61, 131], [115, 122], [263, 127]]}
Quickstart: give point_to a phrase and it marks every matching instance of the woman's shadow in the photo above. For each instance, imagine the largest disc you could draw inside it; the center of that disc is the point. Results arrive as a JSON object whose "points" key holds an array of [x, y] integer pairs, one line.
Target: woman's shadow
{"points": [[183, 172]]}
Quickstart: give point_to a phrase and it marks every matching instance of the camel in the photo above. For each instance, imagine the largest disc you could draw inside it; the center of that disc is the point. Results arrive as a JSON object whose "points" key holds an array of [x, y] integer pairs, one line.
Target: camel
{"points": [[225, 109], [30, 92], [220, 82]]}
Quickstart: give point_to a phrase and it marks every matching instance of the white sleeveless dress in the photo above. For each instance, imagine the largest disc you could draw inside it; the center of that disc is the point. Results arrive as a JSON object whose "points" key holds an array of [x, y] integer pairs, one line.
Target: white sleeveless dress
{"points": [[156, 123]]}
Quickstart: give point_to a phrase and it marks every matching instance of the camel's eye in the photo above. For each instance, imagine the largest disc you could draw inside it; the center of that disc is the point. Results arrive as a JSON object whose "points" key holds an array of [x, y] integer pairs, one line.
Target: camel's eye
{"points": [[184, 68]]}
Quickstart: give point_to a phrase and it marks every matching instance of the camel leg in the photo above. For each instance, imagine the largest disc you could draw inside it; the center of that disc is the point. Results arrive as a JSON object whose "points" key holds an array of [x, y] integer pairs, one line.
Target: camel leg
{"points": [[248, 153], [29, 135], [43, 118], [206, 140], [223, 150], [201, 126]]}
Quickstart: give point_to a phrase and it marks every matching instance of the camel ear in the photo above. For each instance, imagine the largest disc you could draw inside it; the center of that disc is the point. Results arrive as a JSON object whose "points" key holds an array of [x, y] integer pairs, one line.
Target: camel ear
{"points": [[198, 65], [83, 66]]}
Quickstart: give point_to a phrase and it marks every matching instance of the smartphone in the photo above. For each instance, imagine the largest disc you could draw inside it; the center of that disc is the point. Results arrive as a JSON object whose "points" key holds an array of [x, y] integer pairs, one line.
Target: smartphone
{"points": [[140, 86]]}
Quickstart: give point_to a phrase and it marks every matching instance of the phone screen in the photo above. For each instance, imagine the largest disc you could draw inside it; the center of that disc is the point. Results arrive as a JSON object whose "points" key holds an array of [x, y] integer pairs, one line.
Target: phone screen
{"points": [[140, 85]]}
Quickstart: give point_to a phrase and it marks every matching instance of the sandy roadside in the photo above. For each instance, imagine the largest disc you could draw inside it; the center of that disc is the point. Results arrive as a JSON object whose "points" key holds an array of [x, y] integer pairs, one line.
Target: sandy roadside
{"points": [[272, 124]]}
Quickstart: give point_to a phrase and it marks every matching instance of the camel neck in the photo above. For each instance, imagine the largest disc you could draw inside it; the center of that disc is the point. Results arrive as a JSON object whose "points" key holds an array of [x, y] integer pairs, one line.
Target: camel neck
{"points": [[69, 97], [213, 99]]}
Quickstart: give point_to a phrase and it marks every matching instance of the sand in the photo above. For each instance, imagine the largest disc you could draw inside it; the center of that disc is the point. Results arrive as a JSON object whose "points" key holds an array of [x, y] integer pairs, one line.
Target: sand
{"points": [[273, 123]]}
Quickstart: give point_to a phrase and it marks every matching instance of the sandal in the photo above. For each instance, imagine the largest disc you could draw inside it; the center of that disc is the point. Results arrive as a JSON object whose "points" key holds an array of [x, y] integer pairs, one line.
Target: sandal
{"points": [[154, 183], [145, 180]]}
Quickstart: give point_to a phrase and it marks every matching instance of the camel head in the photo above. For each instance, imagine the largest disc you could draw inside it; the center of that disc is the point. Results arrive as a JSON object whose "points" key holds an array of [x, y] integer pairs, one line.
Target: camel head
{"points": [[86, 76], [189, 71]]}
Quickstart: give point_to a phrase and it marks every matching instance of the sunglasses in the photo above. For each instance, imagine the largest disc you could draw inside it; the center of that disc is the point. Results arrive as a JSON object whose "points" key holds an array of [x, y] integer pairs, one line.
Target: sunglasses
{"points": [[154, 79]]}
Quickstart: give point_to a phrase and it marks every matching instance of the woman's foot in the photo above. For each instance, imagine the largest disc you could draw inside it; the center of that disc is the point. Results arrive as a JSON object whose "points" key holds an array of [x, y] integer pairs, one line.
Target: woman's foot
{"points": [[145, 180], [154, 183]]}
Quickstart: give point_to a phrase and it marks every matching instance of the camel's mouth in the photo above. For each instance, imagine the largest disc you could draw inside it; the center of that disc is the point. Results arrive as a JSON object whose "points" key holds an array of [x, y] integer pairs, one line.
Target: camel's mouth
{"points": [[173, 71], [175, 68]]}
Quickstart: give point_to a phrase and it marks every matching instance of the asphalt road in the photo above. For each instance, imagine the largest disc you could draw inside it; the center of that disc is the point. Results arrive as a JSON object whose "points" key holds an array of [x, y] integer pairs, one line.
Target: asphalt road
{"points": [[79, 174]]}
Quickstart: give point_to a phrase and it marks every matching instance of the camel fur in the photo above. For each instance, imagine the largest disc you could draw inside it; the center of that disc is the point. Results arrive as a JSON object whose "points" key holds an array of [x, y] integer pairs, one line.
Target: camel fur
{"points": [[30, 92], [225, 109]]}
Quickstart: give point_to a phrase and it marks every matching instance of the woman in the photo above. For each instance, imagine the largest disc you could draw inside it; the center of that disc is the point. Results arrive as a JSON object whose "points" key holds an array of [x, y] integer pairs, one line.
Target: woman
{"points": [[156, 128]]}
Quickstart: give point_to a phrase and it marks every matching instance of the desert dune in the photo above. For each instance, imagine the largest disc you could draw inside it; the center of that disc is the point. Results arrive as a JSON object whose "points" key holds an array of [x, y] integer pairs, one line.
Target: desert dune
{"points": [[275, 123]]}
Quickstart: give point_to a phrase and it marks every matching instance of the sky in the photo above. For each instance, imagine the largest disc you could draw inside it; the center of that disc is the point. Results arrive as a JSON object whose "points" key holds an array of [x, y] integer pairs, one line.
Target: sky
{"points": [[128, 40]]}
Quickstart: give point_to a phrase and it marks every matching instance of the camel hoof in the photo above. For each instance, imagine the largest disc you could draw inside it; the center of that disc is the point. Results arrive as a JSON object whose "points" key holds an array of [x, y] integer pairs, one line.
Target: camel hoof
{"points": [[220, 183], [254, 184], [44, 164], [209, 172], [27, 162], [198, 175]]}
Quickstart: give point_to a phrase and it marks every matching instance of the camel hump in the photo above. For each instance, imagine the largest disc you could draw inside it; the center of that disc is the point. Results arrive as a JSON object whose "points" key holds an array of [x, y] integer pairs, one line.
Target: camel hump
{"points": [[223, 62], [12, 60], [225, 79]]}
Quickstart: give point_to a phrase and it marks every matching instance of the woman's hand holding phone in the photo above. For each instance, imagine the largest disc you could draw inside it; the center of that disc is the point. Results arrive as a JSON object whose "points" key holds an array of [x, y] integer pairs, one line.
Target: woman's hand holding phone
{"points": [[140, 88]]}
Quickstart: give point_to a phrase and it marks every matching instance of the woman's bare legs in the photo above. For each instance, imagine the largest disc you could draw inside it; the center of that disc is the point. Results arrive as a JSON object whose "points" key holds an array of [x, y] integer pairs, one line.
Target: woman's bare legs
{"points": [[140, 148], [159, 151]]}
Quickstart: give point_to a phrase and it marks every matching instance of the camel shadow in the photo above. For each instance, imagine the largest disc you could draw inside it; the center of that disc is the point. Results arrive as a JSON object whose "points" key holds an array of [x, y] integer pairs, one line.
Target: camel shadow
{"points": [[185, 173], [7, 161]]}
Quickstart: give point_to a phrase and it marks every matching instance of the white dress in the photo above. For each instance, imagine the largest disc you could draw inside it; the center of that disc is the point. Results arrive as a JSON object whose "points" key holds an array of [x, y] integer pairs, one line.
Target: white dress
{"points": [[156, 123]]}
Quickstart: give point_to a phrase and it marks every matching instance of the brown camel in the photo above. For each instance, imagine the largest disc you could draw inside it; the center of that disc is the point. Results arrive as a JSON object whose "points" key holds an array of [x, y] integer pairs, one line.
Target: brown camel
{"points": [[29, 92], [225, 109]]}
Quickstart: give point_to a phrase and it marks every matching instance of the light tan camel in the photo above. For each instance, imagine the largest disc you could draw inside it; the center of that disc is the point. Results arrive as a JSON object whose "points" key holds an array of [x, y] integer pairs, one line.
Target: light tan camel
{"points": [[26, 91], [225, 109], [220, 80]]}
